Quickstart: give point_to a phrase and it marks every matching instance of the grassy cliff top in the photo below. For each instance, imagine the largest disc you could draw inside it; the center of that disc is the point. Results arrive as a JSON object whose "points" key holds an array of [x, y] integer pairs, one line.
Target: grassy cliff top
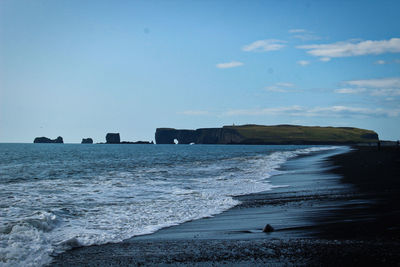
{"points": [[285, 133]]}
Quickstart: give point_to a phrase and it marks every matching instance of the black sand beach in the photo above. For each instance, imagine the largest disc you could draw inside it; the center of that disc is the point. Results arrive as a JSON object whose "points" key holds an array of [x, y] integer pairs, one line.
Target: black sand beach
{"points": [[337, 211]]}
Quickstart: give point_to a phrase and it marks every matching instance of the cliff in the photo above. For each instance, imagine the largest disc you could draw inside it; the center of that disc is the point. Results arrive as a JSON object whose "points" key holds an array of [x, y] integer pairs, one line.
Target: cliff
{"points": [[87, 141], [58, 140], [113, 138], [267, 135]]}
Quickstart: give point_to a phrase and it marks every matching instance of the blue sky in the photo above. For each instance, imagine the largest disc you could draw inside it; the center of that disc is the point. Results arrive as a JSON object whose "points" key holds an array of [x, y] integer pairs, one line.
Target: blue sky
{"points": [[84, 68]]}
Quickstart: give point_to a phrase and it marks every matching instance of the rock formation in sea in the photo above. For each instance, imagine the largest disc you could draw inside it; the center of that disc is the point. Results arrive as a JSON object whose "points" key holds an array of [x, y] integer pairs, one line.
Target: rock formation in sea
{"points": [[267, 135], [58, 140], [113, 138], [87, 141]]}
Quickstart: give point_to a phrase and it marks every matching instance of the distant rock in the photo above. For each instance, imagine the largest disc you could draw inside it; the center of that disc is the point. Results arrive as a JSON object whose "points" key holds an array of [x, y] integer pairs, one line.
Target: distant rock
{"points": [[87, 141], [58, 140], [268, 228], [113, 138]]}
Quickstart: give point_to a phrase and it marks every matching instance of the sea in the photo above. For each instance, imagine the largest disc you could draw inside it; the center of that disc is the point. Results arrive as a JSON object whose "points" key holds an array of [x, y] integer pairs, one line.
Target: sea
{"points": [[54, 197]]}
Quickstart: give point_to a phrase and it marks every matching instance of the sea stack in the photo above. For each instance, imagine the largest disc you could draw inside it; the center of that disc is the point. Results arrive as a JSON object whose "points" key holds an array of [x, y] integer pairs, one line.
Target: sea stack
{"points": [[87, 141], [113, 138], [58, 140]]}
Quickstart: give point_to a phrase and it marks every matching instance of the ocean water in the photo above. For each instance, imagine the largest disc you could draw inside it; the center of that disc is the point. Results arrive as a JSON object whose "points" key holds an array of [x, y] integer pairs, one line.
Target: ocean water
{"points": [[54, 197]]}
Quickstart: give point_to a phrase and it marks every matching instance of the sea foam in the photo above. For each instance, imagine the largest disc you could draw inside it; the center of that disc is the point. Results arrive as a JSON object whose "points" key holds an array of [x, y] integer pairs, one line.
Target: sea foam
{"points": [[61, 205]]}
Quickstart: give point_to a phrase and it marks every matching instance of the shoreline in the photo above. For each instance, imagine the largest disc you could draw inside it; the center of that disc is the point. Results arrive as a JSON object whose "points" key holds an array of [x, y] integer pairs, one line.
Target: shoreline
{"points": [[312, 225]]}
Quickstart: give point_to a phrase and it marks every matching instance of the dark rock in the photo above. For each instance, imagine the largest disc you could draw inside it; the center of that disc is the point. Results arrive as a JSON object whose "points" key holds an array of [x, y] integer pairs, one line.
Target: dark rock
{"points": [[87, 141], [113, 138], [268, 229], [199, 136], [370, 136], [267, 135], [58, 140]]}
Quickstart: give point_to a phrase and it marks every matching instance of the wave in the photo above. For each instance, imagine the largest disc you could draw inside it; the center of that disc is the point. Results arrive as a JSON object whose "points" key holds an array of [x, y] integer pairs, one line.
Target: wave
{"points": [[116, 205]]}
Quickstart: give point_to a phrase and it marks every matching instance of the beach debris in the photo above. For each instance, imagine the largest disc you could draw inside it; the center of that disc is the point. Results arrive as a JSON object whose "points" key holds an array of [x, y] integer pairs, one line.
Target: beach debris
{"points": [[268, 228]]}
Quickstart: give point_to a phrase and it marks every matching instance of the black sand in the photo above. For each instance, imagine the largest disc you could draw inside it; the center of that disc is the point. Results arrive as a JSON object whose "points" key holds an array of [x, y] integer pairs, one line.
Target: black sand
{"points": [[348, 215]]}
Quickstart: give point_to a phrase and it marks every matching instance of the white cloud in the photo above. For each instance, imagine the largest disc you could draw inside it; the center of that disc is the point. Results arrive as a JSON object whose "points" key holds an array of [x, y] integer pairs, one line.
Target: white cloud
{"points": [[350, 90], [384, 87], [195, 112], [274, 88], [303, 62], [264, 45], [228, 65], [353, 48], [297, 30], [325, 59], [384, 62], [331, 111], [281, 87], [306, 37], [386, 92], [377, 83], [380, 62], [285, 84]]}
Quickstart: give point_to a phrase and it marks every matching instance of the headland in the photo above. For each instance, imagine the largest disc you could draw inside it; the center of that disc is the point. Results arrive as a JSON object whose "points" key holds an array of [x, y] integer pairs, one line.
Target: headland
{"points": [[267, 135]]}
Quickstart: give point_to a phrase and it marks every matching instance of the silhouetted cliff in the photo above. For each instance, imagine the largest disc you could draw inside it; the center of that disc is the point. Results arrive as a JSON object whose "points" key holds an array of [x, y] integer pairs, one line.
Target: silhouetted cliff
{"points": [[58, 140], [113, 138], [258, 134], [87, 141]]}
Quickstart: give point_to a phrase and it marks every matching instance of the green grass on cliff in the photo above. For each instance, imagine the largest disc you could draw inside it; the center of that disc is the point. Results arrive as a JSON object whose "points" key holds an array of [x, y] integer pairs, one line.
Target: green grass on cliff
{"points": [[292, 133]]}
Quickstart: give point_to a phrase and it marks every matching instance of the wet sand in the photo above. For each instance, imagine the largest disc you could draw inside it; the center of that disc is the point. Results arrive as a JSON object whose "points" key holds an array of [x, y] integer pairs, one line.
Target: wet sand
{"points": [[328, 210]]}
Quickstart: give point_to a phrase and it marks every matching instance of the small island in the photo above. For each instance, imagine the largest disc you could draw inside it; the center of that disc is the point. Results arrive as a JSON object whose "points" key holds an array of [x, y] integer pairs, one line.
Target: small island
{"points": [[114, 138], [45, 140], [87, 141]]}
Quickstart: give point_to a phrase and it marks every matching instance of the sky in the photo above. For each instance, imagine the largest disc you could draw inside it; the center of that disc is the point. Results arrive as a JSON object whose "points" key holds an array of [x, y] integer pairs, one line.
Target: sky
{"points": [[85, 68]]}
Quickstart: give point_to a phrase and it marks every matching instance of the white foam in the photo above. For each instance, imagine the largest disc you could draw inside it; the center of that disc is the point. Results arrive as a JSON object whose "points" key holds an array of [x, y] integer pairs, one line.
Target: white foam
{"points": [[45, 217]]}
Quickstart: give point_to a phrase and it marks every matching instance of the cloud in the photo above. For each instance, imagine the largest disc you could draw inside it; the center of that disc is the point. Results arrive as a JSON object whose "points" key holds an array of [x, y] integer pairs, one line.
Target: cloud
{"points": [[285, 84], [325, 59], [353, 48], [350, 90], [393, 82], [384, 62], [386, 92], [387, 87], [281, 87], [304, 34], [264, 45], [380, 62], [306, 37], [195, 112], [331, 111], [228, 65], [303, 62], [297, 30]]}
